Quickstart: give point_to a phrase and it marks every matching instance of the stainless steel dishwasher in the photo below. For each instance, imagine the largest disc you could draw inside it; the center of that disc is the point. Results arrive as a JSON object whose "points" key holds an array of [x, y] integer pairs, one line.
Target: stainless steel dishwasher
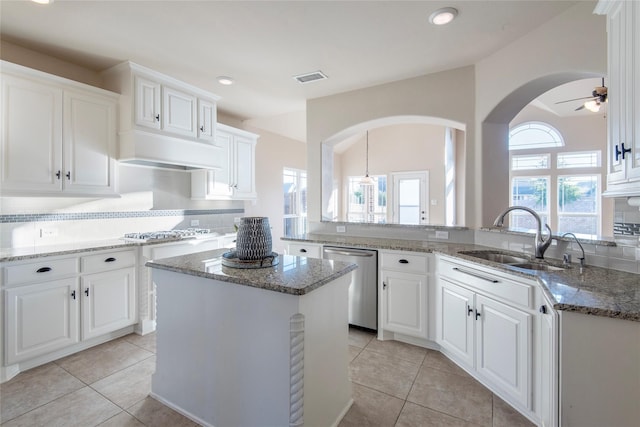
{"points": [[363, 290]]}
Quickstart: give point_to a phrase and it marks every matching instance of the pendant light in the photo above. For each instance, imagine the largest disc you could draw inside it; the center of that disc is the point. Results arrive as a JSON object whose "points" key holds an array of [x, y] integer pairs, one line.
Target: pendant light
{"points": [[367, 180]]}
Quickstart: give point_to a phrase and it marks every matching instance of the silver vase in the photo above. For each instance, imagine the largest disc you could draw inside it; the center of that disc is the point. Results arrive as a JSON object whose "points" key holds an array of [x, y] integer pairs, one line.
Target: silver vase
{"points": [[254, 238]]}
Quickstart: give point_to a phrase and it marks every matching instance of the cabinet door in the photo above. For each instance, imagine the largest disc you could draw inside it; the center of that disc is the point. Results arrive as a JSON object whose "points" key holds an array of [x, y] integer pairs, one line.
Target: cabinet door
{"points": [[206, 120], [108, 302], [89, 143], [41, 318], [244, 186], [633, 96], [404, 303], [503, 336], [147, 102], [31, 135], [178, 112], [220, 185], [547, 366], [455, 324]]}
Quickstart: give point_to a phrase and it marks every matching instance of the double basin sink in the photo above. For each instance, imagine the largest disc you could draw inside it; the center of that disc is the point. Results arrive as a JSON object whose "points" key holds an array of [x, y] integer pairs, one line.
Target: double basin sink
{"points": [[521, 262]]}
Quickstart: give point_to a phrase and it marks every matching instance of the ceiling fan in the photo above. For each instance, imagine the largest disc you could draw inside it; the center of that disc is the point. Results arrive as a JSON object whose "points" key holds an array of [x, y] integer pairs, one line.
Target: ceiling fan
{"points": [[598, 96]]}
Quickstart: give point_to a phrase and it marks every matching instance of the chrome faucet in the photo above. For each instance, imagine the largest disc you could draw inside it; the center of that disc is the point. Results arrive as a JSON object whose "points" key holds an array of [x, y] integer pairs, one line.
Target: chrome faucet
{"points": [[541, 244], [582, 260]]}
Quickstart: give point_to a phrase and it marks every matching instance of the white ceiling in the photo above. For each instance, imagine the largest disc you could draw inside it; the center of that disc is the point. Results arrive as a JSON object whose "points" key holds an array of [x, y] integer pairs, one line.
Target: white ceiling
{"points": [[262, 44]]}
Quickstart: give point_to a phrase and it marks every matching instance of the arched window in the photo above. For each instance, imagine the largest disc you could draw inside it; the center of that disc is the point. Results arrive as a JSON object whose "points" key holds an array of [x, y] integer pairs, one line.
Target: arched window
{"points": [[531, 135]]}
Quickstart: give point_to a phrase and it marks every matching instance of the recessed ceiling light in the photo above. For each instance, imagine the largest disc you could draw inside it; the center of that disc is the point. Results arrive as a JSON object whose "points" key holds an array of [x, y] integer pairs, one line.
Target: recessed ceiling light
{"points": [[224, 80], [443, 16], [42, 1]]}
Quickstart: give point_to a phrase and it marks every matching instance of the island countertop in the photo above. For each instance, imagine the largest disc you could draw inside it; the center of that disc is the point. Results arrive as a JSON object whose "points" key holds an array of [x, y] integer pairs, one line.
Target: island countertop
{"points": [[292, 275]]}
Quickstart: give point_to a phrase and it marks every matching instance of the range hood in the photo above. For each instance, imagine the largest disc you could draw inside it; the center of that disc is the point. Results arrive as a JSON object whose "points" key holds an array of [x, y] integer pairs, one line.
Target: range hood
{"points": [[162, 151]]}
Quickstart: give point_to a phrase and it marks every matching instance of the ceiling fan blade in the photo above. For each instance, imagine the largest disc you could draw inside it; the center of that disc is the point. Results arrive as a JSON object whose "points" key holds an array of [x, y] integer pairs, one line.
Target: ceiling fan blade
{"points": [[579, 108], [576, 99]]}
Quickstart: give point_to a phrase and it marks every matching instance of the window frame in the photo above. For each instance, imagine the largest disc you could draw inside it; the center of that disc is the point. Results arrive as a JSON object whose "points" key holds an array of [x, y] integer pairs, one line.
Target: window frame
{"points": [[299, 215]]}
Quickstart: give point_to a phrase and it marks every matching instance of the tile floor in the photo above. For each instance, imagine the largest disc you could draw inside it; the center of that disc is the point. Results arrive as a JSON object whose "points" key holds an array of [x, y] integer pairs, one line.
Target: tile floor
{"points": [[394, 384]]}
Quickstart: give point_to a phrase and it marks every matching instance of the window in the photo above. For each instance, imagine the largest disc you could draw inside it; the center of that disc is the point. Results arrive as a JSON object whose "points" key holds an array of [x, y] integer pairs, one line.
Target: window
{"points": [[295, 202], [534, 135], [528, 162], [578, 204], [367, 203], [568, 202]]}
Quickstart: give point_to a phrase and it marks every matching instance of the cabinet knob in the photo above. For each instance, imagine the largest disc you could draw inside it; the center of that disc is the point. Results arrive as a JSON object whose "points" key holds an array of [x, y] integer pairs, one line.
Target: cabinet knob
{"points": [[303, 250], [68, 175], [73, 294], [384, 285], [543, 309], [86, 292], [43, 269], [469, 310], [201, 128], [617, 152], [58, 174], [477, 314], [157, 117], [624, 150]]}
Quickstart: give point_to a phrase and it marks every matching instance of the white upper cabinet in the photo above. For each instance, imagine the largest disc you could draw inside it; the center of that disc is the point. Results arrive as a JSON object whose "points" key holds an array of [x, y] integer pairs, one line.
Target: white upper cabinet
{"points": [[234, 173], [58, 137], [623, 34], [163, 120]]}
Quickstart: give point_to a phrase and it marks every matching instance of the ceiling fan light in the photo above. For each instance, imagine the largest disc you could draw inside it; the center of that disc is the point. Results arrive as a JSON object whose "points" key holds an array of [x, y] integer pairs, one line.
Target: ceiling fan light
{"points": [[443, 16], [592, 106]]}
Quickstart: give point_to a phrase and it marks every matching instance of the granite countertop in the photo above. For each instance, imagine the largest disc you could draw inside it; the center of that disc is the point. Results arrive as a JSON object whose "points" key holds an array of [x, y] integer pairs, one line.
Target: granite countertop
{"points": [[292, 275], [597, 291]]}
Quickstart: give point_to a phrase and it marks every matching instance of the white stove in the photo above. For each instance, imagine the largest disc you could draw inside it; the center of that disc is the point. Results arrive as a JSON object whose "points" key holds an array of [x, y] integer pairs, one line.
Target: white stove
{"points": [[169, 235]]}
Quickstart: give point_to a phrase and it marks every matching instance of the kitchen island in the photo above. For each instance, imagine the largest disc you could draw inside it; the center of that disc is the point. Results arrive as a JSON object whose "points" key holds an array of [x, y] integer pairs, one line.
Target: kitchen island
{"points": [[253, 347]]}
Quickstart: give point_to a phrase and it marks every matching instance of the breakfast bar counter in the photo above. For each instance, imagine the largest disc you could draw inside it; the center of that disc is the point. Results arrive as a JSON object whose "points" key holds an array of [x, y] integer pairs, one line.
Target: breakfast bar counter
{"points": [[253, 347]]}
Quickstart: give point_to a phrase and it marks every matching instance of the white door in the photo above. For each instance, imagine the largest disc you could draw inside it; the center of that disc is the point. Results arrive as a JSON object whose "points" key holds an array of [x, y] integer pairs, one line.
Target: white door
{"points": [[108, 302], [456, 321], [244, 168], [41, 318], [89, 143], [147, 102], [206, 119], [410, 195], [404, 302], [178, 112], [503, 340], [31, 135]]}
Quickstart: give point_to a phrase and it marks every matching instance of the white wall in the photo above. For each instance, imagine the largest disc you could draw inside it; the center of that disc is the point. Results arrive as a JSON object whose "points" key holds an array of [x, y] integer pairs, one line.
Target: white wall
{"points": [[273, 154]]}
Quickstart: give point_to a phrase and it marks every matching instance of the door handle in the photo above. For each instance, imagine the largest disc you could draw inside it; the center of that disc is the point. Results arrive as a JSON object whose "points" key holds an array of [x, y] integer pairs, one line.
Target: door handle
{"points": [[110, 259], [86, 292]]}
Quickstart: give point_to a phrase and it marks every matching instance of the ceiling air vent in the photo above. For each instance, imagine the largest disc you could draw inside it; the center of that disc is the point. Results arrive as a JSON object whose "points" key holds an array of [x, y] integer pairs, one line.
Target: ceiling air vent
{"points": [[310, 77]]}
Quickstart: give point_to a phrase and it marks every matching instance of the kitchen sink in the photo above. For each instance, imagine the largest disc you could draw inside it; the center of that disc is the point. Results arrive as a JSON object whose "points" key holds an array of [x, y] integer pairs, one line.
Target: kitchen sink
{"points": [[497, 257], [509, 260]]}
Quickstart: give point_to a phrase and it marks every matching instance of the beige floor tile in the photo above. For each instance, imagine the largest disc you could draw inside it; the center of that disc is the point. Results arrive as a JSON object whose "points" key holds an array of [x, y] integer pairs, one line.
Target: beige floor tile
{"points": [[398, 349], [123, 419], [384, 373], [413, 415], [153, 413], [360, 338], [371, 408], [34, 388], [435, 359], [353, 352], [454, 395], [84, 407], [103, 360], [128, 386], [505, 416], [148, 342]]}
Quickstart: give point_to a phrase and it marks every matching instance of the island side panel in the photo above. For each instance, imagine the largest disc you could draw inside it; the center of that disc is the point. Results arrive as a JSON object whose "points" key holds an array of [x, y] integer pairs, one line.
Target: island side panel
{"points": [[222, 350], [327, 389]]}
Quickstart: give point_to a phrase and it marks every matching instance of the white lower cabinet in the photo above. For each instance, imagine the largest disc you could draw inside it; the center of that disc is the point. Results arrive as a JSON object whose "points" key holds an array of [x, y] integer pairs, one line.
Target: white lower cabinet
{"points": [[41, 318], [54, 304], [308, 250], [482, 328], [108, 302], [403, 293]]}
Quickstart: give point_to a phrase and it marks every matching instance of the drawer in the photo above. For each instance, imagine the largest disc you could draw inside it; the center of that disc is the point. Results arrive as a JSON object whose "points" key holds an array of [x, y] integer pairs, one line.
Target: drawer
{"points": [[40, 271], [488, 283], [107, 261], [404, 261], [301, 249]]}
